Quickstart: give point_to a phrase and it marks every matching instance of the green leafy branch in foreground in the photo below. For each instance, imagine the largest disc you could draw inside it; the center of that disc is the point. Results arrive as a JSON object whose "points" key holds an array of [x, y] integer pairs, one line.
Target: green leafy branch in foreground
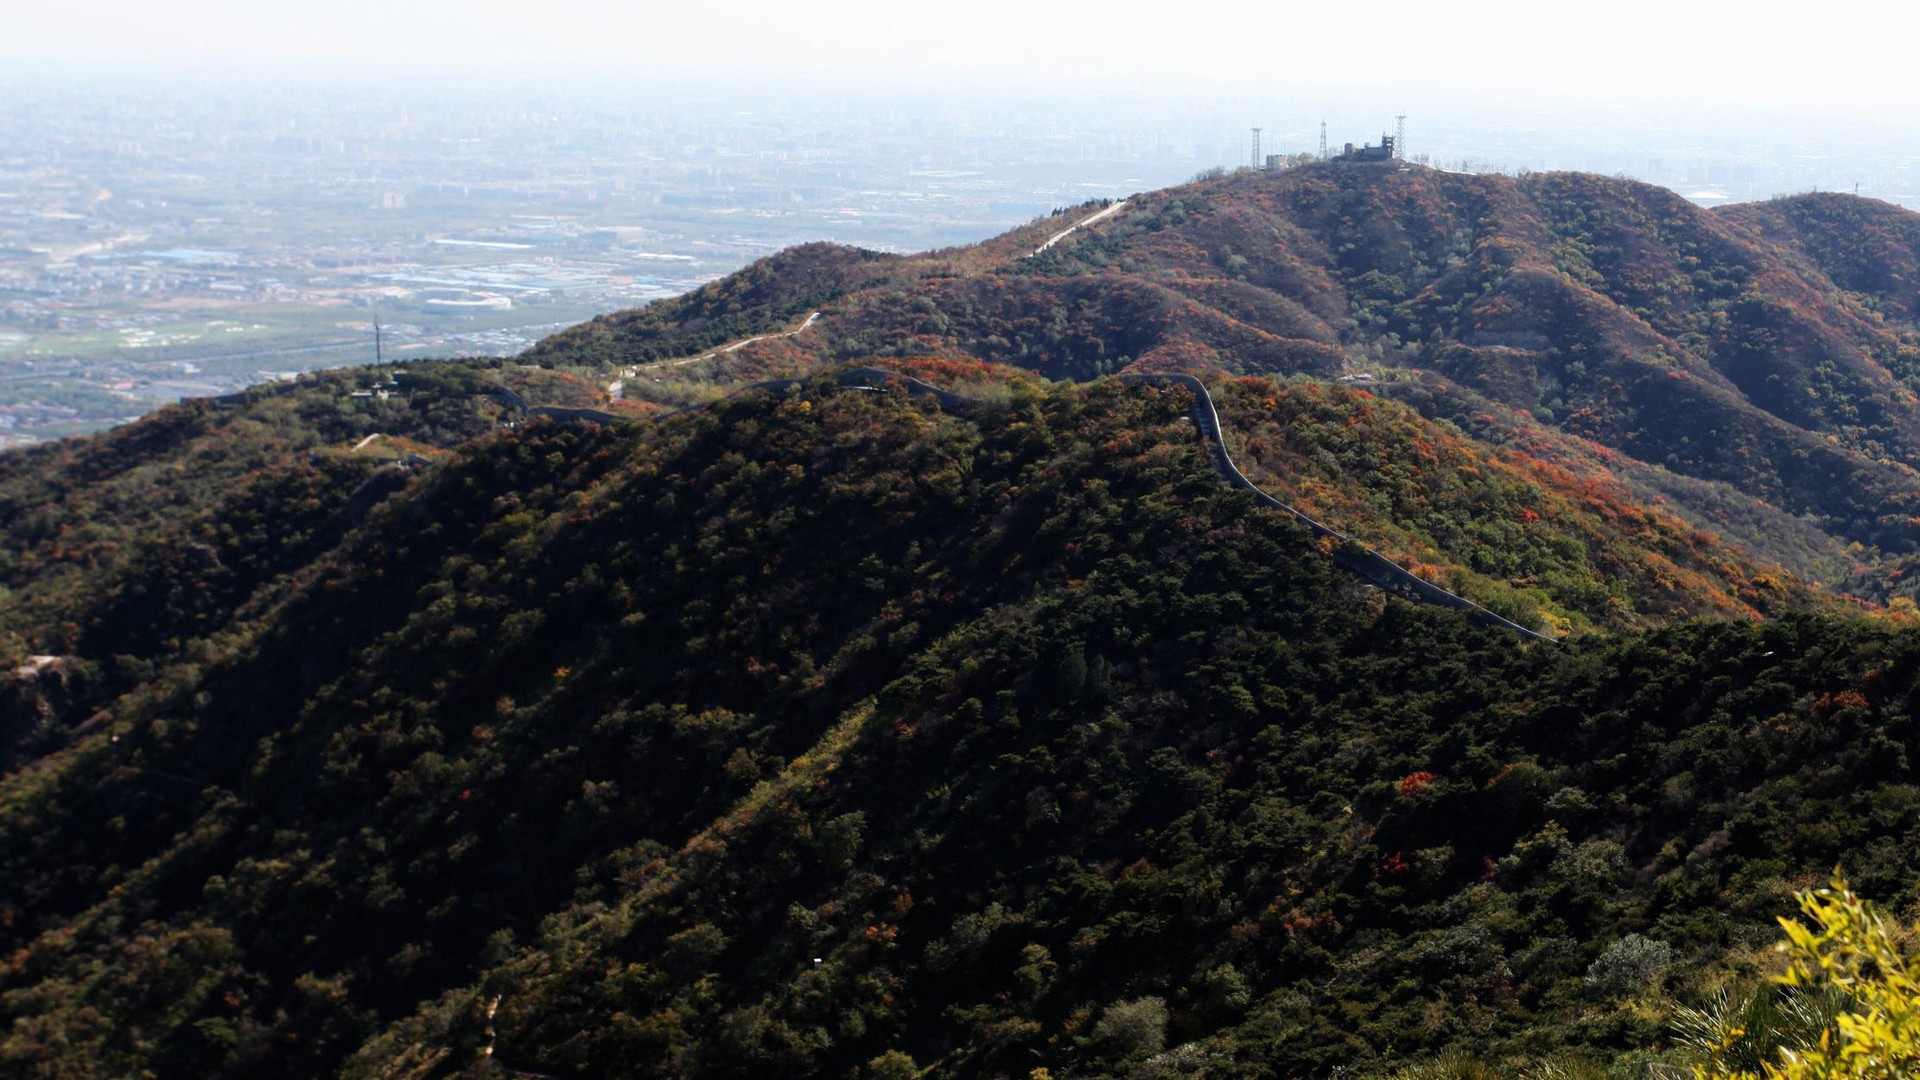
{"points": [[1852, 1008]]}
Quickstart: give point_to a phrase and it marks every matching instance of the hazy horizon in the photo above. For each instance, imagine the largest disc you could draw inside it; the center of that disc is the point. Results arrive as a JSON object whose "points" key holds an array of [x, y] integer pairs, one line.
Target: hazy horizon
{"points": [[1702, 55], [198, 200], [1675, 143]]}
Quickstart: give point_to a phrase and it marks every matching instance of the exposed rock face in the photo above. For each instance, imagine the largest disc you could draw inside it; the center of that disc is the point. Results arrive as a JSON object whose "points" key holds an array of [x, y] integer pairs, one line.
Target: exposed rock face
{"points": [[36, 699]]}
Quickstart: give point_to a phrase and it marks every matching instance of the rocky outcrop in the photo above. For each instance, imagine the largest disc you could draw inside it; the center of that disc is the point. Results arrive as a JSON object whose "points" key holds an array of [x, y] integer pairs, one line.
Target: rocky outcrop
{"points": [[37, 700]]}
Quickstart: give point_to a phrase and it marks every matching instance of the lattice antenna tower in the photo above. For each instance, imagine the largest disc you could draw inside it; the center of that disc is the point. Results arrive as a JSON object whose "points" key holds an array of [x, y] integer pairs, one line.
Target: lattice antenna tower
{"points": [[377, 359], [1323, 140], [1255, 159], [1400, 136]]}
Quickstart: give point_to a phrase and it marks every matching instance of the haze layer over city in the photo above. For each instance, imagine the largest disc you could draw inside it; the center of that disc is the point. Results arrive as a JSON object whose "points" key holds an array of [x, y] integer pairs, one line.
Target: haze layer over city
{"points": [[166, 235]]}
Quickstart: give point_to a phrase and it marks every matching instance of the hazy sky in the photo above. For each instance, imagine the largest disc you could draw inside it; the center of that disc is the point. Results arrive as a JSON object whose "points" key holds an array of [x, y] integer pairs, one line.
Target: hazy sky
{"points": [[1712, 53]]}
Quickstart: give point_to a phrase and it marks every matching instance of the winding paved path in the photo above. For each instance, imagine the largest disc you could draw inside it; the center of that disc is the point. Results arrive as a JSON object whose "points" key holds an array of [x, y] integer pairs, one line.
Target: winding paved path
{"points": [[1351, 556], [1363, 562]]}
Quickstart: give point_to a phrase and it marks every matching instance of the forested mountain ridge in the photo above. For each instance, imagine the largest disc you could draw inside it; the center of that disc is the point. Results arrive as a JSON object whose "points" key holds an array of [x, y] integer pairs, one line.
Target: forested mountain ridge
{"points": [[379, 724], [624, 727], [1770, 348]]}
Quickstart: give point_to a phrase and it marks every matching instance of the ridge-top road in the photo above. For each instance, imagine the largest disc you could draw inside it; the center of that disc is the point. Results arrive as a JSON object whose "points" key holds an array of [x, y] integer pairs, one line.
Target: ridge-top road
{"points": [[736, 346], [723, 350], [1077, 226]]}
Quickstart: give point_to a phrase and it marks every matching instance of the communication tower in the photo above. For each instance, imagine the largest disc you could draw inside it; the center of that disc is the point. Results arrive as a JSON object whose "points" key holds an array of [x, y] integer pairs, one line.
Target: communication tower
{"points": [[377, 358], [1400, 136], [1254, 160], [1323, 140]]}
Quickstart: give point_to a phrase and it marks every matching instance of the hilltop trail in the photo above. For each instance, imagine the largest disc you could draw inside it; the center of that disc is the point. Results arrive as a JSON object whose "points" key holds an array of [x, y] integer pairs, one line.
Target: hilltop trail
{"points": [[723, 350], [1071, 229]]}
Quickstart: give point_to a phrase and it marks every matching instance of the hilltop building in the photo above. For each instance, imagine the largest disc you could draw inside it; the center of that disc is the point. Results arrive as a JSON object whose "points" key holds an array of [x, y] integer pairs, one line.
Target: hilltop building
{"points": [[1383, 152]]}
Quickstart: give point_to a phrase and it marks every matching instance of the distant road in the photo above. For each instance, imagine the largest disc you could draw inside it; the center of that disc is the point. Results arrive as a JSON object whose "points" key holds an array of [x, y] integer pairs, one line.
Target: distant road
{"points": [[1071, 229], [287, 350]]}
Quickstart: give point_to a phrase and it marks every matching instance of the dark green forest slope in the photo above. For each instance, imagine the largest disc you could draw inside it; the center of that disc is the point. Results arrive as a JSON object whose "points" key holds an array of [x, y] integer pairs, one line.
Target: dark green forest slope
{"points": [[439, 720], [797, 732]]}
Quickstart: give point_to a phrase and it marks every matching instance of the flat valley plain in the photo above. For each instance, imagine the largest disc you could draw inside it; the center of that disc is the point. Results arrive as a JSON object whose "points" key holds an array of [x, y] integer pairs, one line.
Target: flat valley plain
{"points": [[167, 239]]}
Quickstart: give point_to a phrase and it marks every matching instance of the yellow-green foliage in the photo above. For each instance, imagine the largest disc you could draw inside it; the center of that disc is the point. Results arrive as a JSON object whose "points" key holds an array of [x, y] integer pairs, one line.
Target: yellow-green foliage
{"points": [[1846, 950]]}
